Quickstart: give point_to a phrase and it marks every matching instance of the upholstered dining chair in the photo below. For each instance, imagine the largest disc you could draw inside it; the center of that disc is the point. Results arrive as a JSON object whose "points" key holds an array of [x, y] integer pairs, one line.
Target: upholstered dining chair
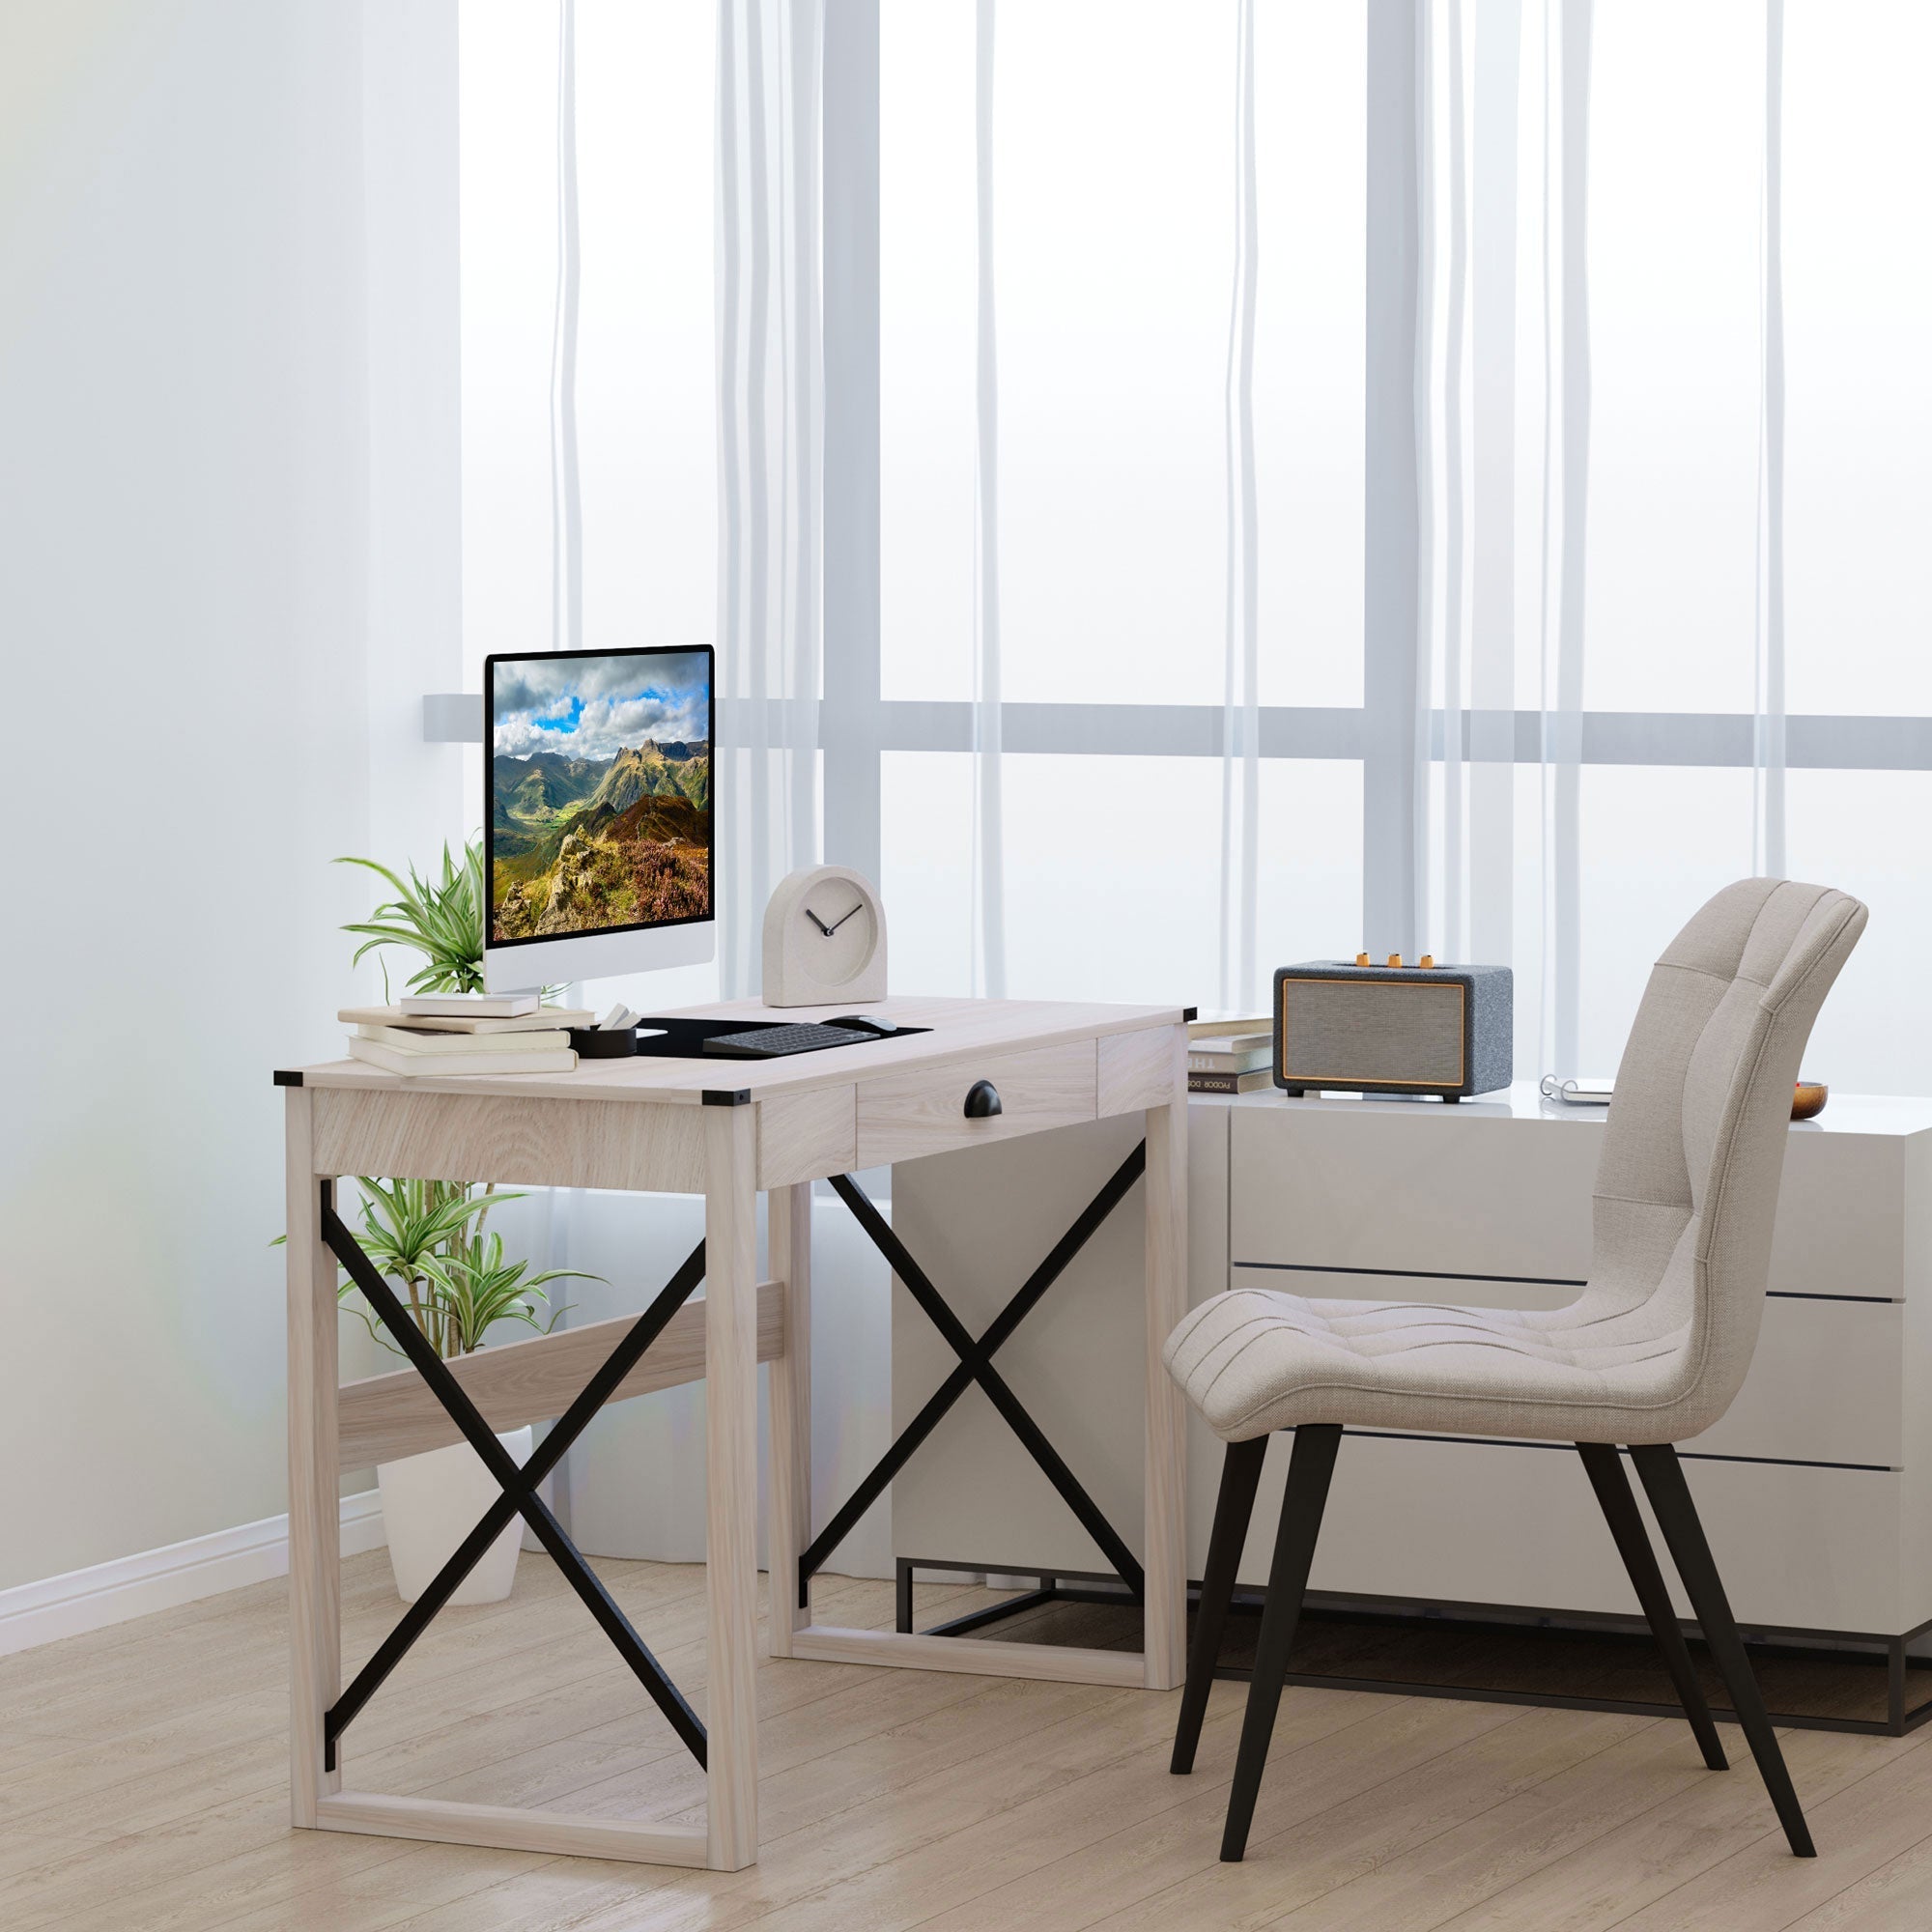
{"points": [[1652, 1350]]}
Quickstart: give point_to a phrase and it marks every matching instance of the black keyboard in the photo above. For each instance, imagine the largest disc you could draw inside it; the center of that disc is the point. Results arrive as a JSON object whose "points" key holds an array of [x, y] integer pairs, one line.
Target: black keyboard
{"points": [[773, 1041]]}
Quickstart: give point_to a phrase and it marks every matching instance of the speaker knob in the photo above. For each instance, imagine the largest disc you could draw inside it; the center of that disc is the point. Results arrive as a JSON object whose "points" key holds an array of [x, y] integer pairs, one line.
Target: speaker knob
{"points": [[1361, 960], [1395, 958], [1426, 960]]}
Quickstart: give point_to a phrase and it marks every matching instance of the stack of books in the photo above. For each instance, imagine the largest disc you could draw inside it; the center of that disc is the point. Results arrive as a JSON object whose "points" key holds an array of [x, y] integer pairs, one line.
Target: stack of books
{"points": [[439, 1037], [1230, 1053]]}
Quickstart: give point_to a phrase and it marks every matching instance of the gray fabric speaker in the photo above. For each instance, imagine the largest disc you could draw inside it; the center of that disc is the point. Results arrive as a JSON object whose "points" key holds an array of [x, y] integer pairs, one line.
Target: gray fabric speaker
{"points": [[1442, 1030]]}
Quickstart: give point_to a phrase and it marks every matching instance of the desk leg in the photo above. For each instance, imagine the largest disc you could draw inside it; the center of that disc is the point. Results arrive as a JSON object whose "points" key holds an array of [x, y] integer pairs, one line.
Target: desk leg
{"points": [[788, 1524], [731, 1485], [315, 1538], [1165, 1639]]}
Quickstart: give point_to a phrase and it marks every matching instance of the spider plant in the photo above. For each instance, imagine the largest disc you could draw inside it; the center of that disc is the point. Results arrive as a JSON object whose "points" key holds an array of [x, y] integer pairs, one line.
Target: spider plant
{"points": [[427, 1236], [489, 1289], [441, 919]]}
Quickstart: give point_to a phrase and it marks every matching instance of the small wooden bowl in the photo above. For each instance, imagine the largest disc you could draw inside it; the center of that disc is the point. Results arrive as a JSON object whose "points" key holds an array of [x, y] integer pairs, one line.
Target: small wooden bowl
{"points": [[1808, 1099]]}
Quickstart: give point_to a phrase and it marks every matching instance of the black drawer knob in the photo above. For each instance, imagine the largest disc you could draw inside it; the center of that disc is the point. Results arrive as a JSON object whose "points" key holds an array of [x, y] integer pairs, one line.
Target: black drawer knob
{"points": [[982, 1100]]}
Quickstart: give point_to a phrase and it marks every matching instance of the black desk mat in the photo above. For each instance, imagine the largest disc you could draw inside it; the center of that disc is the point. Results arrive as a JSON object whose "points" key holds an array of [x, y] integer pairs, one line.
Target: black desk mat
{"points": [[683, 1039]]}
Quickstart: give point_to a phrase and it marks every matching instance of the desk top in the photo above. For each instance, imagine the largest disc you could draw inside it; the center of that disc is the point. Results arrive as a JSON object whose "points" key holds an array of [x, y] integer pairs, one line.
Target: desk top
{"points": [[961, 1030]]}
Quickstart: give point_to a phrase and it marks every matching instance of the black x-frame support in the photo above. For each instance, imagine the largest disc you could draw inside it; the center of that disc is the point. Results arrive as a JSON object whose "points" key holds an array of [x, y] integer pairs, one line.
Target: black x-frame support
{"points": [[976, 1365], [519, 1484]]}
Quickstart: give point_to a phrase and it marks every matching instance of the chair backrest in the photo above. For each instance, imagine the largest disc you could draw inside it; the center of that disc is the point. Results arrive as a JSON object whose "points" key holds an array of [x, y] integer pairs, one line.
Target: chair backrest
{"points": [[1693, 1151]]}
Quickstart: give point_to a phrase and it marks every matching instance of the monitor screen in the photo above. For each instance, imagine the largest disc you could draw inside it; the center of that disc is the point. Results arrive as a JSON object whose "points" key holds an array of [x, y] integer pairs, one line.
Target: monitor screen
{"points": [[599, 770]]}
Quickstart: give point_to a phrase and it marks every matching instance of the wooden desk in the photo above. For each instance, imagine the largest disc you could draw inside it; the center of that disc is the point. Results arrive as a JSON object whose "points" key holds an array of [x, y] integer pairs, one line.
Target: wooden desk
{"points": [[726, 1129]]}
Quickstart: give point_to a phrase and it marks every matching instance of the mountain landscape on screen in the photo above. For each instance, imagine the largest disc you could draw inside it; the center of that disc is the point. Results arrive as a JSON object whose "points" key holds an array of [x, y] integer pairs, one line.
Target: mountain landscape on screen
{"points": [[599, 812]]}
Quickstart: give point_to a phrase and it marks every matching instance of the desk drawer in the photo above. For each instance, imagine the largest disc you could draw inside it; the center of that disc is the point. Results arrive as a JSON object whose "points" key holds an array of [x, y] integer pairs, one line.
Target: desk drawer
{"points": [[922, 1111]]}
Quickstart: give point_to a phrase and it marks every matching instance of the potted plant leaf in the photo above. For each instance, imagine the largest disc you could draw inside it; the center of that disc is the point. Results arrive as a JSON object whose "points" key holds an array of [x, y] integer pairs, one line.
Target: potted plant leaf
{"points": [[428, 1238], [457, 1282], [441, 919]]}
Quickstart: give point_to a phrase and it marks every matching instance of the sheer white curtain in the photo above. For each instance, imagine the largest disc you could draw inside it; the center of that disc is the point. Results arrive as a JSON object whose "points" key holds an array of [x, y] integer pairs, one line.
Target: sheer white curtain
{"points": [[1441, 476], [1110, 760], [1444, 476], [769, 388], [641, 380], [1601, 468], [641, 447], [589, 449], [1405, 476]]}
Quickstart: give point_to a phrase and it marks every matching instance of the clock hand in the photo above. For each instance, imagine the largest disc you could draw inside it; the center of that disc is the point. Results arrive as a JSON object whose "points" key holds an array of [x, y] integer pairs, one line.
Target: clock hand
{"points": [[818, 923], [837, 922]]}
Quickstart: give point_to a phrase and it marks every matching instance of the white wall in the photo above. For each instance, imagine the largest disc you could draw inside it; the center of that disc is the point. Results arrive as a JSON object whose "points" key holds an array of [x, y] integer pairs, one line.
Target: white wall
{"points": [[228, 571]]}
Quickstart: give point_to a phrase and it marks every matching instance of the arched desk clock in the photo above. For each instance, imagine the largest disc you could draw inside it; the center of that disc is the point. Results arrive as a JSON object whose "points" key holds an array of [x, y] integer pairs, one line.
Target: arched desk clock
{"points": [[825, 940]]}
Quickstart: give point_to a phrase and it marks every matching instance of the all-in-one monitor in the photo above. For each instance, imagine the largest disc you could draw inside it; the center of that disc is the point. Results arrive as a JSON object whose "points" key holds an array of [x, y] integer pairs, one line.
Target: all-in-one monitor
{"points": [[596, 787]]}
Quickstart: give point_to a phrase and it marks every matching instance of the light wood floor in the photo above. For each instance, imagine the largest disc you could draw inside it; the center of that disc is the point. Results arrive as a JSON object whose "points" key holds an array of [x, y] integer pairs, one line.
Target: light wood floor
{"points": [[142, 1789]]}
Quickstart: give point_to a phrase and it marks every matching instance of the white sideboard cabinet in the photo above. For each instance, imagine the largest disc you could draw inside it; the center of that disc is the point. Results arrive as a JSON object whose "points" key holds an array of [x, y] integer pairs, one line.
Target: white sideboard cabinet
{"points": [[1815, 1488]]}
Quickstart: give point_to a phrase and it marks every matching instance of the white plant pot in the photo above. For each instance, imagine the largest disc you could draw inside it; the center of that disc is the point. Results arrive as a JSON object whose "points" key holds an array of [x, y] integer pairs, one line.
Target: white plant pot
{"points": [[431, 1502]]}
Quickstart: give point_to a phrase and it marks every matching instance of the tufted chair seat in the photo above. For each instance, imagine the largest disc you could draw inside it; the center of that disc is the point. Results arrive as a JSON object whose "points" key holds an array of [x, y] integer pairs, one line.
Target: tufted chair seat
{"points": [[1653, 1349], [1254, 1361]]}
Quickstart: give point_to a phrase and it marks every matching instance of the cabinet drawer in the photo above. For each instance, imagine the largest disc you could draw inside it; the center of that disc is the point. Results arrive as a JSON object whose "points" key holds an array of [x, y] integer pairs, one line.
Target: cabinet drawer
{"points": [[1842, 1216], [1454, 1190], [1826, 1384], [1344, 1285], [1429, 1189], [1479, 1522], [922, 1110]]}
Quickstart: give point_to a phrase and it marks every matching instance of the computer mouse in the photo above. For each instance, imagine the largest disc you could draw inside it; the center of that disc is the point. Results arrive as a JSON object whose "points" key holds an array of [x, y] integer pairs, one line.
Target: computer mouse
{"points": [[860, 1023]]}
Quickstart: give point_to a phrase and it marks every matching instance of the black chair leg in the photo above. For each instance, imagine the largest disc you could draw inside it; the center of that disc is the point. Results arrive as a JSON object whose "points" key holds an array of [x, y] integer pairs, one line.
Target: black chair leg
{"points": [[1620, 1511], [1662, 1477], [1308, 1473], [1240, 1474]]}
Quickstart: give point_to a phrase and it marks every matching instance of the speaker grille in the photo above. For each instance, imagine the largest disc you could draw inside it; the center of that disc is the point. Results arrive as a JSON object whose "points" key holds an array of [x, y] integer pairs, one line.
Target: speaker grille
{"points": [[1352, 1033]]}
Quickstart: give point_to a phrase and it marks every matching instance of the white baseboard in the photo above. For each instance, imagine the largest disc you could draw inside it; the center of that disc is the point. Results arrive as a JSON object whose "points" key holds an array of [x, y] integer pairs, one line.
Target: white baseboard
{"points": [[160, 1579]]}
